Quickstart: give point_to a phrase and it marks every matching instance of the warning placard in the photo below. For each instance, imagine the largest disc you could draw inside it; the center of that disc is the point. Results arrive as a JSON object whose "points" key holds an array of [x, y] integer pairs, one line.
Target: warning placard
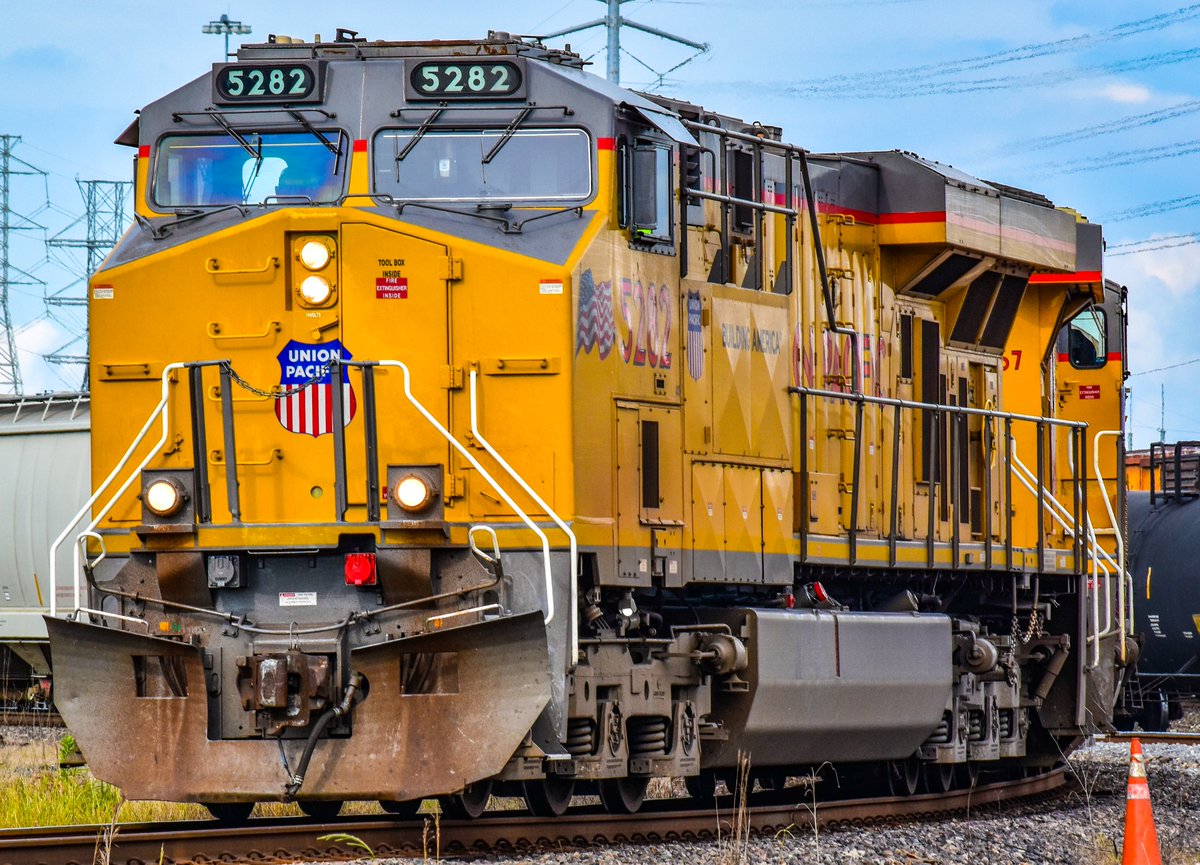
{"points": [[391, 288], [1089, 391]]}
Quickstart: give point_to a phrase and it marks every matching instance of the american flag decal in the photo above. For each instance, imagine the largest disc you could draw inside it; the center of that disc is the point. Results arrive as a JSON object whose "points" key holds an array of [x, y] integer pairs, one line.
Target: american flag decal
{"points": [[309, 410], [595, 327], [695, 336]]}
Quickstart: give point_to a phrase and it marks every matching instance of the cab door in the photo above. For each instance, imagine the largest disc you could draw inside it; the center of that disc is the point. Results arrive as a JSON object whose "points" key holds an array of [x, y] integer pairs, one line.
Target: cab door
{"points": [[1089, 384]]}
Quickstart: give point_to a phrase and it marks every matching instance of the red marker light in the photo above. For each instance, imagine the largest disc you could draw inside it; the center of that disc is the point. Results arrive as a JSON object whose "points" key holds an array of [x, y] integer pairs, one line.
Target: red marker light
{"points": [[360, 569], [789, 601], [820, 592]]}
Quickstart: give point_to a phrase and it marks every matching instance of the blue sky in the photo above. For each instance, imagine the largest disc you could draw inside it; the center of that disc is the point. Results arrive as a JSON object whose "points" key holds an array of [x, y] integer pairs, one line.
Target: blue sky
{"points": [[1094, 104]]}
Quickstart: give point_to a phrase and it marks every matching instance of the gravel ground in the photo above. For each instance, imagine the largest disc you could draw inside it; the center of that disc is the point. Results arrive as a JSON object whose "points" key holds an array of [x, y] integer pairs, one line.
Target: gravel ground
{"points": [[1084, 828]]}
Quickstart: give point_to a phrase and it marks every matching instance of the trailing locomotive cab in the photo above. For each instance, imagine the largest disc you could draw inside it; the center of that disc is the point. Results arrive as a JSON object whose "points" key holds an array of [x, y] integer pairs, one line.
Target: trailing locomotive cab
{"points": [[462, 421]]}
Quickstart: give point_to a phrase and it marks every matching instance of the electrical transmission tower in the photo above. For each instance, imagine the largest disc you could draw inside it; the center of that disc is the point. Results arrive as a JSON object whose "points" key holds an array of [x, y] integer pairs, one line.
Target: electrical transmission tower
{"points": [[104, 220], [10, 274], [613, 21]]}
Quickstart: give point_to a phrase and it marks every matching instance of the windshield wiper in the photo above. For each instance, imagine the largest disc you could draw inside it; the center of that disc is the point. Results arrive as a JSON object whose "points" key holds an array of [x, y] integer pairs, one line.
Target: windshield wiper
{"points": [[420, 133], [508, 133], [236, 136], [320, 136]]}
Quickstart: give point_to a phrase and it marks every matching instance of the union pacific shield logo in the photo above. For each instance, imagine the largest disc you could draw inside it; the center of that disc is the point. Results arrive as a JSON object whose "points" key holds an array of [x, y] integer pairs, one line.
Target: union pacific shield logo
{"points": [[308, 407], [695, 335]]}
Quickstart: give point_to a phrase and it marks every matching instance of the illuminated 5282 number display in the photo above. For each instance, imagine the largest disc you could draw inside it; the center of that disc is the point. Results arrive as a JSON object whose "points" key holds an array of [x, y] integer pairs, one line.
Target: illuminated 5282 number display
{"points": [[441, 79], [277, 82]]}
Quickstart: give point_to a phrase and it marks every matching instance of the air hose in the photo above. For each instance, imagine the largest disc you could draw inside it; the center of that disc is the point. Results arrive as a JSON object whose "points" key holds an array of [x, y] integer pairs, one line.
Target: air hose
{"points": [[343, 708]]}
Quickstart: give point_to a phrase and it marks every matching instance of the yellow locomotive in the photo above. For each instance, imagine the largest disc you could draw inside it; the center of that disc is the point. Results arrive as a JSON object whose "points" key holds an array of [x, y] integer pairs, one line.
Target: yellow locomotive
{"points": [[463, 422]]}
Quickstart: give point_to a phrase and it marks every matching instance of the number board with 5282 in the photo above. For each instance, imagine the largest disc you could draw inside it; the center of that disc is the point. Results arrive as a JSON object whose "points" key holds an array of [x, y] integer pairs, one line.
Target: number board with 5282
{"points": [[466, 78], [275, 83]]}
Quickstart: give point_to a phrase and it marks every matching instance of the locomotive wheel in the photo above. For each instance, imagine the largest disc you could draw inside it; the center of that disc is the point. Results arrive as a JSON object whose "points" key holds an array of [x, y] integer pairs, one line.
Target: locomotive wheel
{"points": [[551, 797], [622, 795], [939, 777], [320, 809], [702, 786], [468, 804], [401, 809], [230, 813], [904, 776], [1155, 714]]}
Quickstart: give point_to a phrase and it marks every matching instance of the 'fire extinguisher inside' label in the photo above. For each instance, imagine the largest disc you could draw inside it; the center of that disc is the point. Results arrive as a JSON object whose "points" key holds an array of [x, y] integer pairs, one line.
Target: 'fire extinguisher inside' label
{"points": [[391, 288]]}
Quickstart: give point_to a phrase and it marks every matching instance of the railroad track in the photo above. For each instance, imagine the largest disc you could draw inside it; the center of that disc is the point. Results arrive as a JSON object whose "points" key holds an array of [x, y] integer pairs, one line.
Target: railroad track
{"points": [[16, 718], [1165, 737], [289, 839]]}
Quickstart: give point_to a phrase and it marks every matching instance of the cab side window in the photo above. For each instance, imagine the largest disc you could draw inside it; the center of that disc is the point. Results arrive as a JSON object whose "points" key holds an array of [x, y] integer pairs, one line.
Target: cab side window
{"points": [[1087, 346], [646, 196]]}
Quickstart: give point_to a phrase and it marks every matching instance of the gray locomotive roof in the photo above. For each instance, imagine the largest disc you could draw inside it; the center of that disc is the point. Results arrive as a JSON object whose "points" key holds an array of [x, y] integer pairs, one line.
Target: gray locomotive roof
{"points": [[497, 44]]}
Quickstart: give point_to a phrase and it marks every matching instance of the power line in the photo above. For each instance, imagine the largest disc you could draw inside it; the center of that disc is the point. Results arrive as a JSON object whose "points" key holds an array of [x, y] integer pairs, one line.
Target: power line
{"points": [[1152, 208], [885, 80], [1165, 368], [1121, 124]]}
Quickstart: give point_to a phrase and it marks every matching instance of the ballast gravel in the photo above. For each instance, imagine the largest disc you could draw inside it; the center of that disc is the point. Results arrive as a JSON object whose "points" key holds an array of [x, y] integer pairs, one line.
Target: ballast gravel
{"points": [[1083, 827]]}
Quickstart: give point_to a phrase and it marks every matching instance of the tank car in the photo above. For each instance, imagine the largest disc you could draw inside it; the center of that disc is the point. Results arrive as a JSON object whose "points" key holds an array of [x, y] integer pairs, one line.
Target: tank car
{"points": [[464, 422], [1163, 553], [44, 479]]}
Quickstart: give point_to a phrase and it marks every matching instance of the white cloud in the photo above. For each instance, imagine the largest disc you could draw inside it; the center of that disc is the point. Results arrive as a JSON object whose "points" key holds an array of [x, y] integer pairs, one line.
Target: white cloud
{"points": [[1174, 270], [1129, 94]]}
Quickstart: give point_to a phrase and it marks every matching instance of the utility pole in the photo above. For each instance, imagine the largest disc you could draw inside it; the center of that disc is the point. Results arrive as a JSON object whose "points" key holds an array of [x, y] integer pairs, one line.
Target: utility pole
{"points": [[1162, 413], [10, 274], [613, 21], [105, 219]]}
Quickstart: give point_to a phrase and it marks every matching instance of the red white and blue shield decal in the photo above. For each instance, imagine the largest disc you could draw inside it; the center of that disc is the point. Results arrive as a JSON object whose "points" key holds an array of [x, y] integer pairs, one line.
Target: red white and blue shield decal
{"points": [[695, 336], [308, 407]]}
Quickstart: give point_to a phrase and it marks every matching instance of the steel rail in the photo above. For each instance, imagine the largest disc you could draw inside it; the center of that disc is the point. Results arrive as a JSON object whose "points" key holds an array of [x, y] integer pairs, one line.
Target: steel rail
{"points": [[287, 839]]}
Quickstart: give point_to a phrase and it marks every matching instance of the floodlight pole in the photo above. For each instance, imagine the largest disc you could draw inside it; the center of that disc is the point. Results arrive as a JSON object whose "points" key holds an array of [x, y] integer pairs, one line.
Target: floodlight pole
{"points": [[224, 26]]}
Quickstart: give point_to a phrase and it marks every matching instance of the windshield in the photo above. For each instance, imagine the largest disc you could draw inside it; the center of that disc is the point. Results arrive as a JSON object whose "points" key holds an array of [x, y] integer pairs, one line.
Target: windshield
{"points": [[204, 170], [532, 165]]}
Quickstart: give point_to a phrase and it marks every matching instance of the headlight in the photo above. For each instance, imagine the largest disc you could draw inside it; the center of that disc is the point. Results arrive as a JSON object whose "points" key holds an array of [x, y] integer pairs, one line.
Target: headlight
{"points": [[315, 289], [314, 255], [163, 497], [412, 493]]}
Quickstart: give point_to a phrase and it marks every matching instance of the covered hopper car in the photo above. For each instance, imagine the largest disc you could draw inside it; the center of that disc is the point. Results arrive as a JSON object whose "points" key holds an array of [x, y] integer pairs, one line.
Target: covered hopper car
{"points": [[468, 423], [44, 480]]}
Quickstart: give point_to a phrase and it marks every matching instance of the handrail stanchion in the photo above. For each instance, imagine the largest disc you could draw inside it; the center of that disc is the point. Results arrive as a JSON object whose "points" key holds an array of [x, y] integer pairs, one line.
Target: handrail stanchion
{"points": [[1041, 497], [371, 440], [1008, 511], [231, 472], [203, 491], [805, 495], [856, 476], [894, 527], [931, 471], [341, 495]]}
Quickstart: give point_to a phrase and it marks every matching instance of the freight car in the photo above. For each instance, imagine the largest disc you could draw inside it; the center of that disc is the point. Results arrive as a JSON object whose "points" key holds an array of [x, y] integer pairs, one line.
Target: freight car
{"points": [[465, 422], [1163, 541], [44, 479]]}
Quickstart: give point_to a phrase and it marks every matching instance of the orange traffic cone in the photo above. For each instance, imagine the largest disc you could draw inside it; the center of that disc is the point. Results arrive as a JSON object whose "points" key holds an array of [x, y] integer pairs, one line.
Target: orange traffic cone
{"points": [[1141, 840]]}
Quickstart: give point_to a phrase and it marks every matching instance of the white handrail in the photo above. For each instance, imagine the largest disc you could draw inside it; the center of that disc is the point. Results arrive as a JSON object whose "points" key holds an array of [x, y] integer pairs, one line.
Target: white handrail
{"points": [[541, 503], [1099, 555], [483, 473], [1120, 540], [158, 409]]}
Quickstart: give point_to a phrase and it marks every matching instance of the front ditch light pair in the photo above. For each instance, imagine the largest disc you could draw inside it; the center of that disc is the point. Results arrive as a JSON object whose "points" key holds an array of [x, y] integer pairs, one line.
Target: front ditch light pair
{"points": [[315, 254]]}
